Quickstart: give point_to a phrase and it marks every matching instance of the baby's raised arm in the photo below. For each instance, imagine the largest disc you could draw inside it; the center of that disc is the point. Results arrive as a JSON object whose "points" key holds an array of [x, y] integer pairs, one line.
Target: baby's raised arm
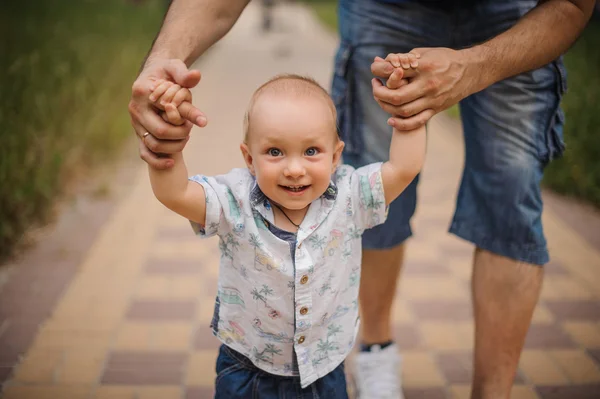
{"points": [[407, 149], [171, 186]]}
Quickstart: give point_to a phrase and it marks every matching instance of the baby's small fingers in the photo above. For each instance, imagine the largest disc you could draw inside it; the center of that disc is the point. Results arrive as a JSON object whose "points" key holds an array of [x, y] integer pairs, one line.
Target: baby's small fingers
{"points": [[404, 61], [395, 79], [414, 61], [378, 59], [159, 91], [155, 83], [173, 115], [182, 95], [394, 59], [169, 94], [415, 53]]}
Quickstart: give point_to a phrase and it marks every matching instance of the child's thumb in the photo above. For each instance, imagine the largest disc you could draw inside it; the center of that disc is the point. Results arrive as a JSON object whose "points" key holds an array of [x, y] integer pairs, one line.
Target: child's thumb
{"points": [[182, 75]]}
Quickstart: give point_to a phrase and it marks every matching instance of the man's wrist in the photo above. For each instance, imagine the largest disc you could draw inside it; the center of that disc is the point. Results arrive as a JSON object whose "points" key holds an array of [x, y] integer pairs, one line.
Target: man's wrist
{"points": [[480, 67], [157, 56]]}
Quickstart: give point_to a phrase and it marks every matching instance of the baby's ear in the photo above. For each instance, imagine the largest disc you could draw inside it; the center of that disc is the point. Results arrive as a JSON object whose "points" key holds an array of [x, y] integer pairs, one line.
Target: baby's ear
{"points": [[337, 155], [247, 157]]}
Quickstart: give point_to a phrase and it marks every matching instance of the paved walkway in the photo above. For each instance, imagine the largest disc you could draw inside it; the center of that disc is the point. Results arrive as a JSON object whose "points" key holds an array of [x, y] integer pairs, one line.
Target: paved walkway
{"points": [[130, 320]]}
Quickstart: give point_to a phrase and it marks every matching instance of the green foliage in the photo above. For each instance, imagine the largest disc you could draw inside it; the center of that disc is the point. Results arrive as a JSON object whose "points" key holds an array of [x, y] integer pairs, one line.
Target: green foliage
{"points": [[65, 78], [326, 11], [577, 173]]}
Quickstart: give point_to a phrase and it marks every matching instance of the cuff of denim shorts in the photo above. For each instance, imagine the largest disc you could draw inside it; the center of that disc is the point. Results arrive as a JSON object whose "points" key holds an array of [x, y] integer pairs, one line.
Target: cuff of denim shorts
{"points": [[537, 255]]}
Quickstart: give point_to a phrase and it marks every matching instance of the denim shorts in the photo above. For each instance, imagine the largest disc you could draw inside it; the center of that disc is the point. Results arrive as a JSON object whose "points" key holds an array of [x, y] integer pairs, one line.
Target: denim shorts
{"points": [[238, 378], [512, 129]]}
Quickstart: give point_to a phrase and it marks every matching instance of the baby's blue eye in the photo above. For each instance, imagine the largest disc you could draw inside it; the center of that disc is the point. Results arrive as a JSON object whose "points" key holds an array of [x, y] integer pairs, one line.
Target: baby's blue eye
{"points": [[274, 152], [312, 151]]}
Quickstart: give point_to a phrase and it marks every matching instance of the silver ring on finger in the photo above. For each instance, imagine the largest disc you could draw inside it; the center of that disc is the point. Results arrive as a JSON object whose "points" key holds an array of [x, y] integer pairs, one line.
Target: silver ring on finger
{"points": [[145, 135]]}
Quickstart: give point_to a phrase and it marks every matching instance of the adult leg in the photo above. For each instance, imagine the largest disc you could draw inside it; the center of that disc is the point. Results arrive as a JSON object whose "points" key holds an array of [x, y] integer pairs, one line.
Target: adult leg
{"points": [[380, 271], [512, 130], [368, 29], [505, 293]]}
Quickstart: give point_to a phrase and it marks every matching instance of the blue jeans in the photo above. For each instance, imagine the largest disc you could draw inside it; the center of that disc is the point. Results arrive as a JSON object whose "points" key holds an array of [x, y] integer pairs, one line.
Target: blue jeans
{"points": [[238, 378], [512, 129]]}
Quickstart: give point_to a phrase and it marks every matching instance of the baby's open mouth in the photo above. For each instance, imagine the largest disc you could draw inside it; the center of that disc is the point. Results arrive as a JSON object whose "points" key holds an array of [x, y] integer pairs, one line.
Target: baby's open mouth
{"points": [[295, 189]]}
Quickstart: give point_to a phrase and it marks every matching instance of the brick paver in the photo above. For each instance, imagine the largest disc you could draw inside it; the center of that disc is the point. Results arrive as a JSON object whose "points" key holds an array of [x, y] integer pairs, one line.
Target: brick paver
{"points": [[132, 322]]}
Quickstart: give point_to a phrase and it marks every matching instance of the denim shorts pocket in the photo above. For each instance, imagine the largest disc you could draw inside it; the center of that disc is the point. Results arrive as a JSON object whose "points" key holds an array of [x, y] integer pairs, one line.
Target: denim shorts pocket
{"points": [[341, 94], [554, 135]]}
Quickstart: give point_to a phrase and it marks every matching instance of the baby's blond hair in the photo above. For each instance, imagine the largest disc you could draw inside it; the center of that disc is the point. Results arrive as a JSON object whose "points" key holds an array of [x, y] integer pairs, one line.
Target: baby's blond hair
{"points": [[290, 84]]}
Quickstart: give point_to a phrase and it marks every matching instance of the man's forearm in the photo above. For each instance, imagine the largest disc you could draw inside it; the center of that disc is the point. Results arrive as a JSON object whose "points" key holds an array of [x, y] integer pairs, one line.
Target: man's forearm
{"points": [[192, 26], [539, 37]]}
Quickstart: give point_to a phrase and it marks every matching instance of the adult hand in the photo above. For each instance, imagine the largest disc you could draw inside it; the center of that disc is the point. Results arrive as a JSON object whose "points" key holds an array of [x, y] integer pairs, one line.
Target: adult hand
{"points": [[442, 78], [163, 138]]}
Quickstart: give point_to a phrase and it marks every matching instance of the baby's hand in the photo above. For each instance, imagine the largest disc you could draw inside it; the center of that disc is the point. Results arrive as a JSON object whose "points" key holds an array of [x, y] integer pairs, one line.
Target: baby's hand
{"points": [[400, 62], [406, 61], [168, 96]]}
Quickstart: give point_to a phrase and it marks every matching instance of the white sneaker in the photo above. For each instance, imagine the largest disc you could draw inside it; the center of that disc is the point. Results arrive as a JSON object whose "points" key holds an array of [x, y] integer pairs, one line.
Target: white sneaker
{"points": [[377, 373]]}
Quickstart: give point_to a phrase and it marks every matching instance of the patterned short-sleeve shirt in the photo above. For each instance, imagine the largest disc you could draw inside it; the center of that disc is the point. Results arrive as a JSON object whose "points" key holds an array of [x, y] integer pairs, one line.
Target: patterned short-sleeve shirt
{"points": [[270, 305]]}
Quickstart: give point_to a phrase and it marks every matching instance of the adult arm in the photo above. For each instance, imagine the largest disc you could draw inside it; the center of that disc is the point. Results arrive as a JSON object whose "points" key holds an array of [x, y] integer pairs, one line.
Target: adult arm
{"points": [[446, 76], [189, 29], [192, 26]]}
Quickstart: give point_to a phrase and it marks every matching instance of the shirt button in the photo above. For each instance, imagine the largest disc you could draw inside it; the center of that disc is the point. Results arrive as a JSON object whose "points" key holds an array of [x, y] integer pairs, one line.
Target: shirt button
{"points": [[304, 279], [304, 310], [301, 339]]}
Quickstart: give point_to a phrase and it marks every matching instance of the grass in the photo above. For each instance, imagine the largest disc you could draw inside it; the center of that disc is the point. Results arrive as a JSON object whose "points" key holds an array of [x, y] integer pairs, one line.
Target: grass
{"points": [[577, 173], [65, 80], [326, 11]]}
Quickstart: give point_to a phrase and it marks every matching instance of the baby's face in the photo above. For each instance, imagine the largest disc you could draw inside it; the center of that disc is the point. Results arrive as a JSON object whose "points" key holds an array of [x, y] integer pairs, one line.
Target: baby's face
{"points": [[292, 148]]}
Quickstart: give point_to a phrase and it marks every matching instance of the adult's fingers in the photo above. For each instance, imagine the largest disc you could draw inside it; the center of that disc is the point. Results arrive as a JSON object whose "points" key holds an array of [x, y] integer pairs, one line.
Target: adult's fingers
{"points": [[413, 122], [172, 115], [138, 129], [181, 74], [407, 110], [192, 114], [174, 118], [147, 116], [412, 108], [383, 69], [390, 109], [395, 80], [165, 147], [155, 161], [405, 94]]}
